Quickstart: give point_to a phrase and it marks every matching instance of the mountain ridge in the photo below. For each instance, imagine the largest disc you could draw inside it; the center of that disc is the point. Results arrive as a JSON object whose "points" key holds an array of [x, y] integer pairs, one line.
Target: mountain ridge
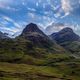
{"points": [[66, 34], [69, 40], [33, 55], [32, 33]]}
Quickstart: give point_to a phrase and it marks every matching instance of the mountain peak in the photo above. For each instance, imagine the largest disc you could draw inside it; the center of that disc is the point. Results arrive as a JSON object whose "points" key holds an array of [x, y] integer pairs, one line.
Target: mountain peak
{"points": [[32, 25], [67, 29], [32, 28], [65, 35]]}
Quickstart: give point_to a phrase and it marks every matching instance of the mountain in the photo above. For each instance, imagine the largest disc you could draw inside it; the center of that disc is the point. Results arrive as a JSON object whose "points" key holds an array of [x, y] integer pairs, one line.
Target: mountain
{"points": [[32, 28], [66, 35], [54, 27], [32, 42], [3, 35], [34, 56], [38, 38], [68, 39], [35, 35]]}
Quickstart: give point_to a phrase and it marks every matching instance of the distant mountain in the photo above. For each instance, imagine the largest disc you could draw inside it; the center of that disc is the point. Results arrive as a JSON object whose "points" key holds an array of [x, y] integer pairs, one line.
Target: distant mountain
{"points": [[64, 36], [3, 35], [54, 27], [68, 39]]}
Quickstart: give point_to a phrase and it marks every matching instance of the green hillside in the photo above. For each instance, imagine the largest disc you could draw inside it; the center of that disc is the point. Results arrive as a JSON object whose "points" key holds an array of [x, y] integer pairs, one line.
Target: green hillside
{"points": [[36, 57], [20, 63]]}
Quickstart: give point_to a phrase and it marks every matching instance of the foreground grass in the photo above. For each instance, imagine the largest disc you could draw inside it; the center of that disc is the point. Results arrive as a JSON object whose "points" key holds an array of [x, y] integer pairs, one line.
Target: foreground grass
{"points": [[48, 67], [62, 71], [28, 71]]}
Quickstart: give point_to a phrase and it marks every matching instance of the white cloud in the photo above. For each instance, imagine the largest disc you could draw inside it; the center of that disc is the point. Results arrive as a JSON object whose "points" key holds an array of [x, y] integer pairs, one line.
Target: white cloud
{"points": [[5, 3], [37, 4], [66, 5], [32, 15], [69, 5], [66, 14], [5, 29], [31, 9], [57, 15], [11, 20], [12, 28]]}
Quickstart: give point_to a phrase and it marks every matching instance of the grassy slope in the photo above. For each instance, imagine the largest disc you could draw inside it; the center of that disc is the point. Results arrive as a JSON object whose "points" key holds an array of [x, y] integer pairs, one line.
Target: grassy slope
{"points": [[53, 67], [29, 63], [31, 72]]}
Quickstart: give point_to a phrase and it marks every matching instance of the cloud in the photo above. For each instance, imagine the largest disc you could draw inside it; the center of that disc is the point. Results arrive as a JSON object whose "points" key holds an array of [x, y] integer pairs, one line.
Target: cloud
{"points": [[5, 3], [16, 13], [69, 6], [66, 6], [7, 29], [11, 20], [32, 15], [31, 9]]}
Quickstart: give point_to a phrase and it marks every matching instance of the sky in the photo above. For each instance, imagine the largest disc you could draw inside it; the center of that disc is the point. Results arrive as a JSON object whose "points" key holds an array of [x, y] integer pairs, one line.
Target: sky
{"points": [[16, 14]]}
